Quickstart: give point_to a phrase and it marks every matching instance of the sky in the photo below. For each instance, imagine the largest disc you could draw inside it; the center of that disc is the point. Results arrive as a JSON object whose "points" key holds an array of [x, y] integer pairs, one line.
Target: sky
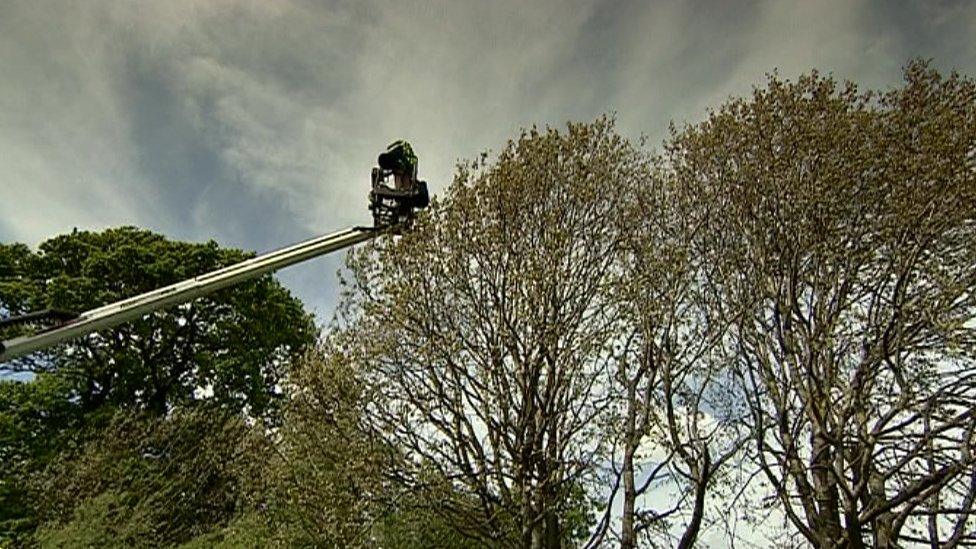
{"points": [[256, 122]]}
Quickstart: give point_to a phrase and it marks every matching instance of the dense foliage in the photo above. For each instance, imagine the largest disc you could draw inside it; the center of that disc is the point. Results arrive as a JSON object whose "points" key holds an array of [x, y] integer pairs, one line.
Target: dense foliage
{"points": [[149, 481], [234, 343], [226, 353]]}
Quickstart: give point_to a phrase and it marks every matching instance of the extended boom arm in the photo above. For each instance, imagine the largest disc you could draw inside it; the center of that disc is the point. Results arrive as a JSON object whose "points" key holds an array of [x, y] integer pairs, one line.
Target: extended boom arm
{"points": [[134, 307]]}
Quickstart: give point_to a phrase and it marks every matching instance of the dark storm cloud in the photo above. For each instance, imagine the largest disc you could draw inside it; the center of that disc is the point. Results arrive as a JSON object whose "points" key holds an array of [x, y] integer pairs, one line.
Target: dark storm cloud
{"points": [[255, 122]]}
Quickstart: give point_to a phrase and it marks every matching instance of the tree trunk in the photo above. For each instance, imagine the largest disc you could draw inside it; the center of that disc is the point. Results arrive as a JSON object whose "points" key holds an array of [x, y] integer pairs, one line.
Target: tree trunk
{"points": [[701, 487], [883, 527], [553, 539], [827, 523], [628, 534], [528, 528]]}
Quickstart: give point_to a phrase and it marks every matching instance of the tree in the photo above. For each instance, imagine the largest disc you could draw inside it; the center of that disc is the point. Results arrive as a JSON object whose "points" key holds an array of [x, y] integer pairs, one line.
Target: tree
{"points": [[36, 420], [231, 347], [150, 481], [842, 228], [676, 423], [329, 484], [228, 351], [486, 332]]}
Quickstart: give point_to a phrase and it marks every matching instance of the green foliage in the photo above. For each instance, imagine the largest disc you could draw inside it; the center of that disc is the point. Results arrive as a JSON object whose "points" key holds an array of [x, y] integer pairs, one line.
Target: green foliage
{"points": [[235, 343], [419, 526], [106, 520], [37, 420], [227, 352], [252, 529], [150, 481], [19, 295], [329, 483]]}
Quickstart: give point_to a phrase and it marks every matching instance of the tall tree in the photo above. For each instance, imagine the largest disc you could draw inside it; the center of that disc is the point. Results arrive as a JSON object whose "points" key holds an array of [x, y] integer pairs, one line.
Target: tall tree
{"points": [[228, 351], [842, 228], [231, 347], [488, 334]]}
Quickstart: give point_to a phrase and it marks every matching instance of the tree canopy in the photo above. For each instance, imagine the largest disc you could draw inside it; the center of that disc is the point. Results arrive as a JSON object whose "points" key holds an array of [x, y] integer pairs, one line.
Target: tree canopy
{"points": [[787, 287], [842, 228], [227, 353], [230, 347]]}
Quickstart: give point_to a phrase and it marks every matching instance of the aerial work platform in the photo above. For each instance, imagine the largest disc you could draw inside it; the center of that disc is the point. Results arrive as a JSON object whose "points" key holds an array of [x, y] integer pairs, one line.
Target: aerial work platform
{"points": [[393, 206]]}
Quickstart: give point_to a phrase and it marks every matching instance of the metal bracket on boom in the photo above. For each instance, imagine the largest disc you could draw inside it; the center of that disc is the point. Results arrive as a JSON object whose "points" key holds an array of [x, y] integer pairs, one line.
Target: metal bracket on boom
{"points": [[395, 203], [38, 317]]}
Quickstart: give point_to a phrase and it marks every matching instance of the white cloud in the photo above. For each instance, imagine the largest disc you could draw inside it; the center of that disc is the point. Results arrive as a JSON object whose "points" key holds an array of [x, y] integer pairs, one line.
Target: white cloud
{"points": [[63, 142], [255, 122]]}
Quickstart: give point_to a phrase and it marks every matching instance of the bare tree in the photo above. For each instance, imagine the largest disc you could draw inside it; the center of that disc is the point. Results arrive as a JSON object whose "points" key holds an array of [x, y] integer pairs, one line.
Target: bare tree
{"points": [[842, 232], [676, 417], [491, 335]]}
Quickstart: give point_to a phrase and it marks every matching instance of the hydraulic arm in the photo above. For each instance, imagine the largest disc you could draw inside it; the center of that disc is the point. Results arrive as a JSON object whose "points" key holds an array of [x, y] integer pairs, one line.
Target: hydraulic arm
{"points": [[134, 307], [393, 206]]}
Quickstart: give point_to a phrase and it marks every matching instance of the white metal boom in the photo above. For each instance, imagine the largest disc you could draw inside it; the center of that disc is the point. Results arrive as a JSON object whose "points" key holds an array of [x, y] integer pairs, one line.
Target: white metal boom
{"points": [[134, 307]]}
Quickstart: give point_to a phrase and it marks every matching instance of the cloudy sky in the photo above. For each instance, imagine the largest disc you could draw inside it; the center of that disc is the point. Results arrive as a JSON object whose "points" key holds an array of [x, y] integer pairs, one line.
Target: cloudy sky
{"points": [[255, 122]]}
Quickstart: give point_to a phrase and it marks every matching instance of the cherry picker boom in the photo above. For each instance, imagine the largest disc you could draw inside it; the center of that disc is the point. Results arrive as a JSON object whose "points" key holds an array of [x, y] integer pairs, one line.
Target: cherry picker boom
{"points": [[393, 209], [134, 307]]}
